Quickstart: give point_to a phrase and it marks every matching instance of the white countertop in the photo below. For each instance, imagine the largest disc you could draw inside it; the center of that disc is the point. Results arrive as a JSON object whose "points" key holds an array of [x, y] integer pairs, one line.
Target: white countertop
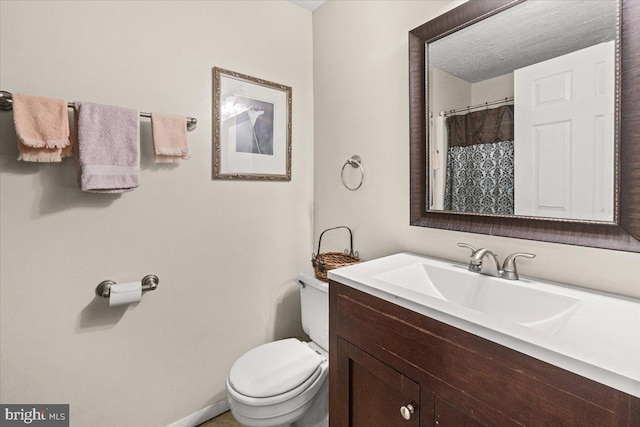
{"points": [[601, 340]]}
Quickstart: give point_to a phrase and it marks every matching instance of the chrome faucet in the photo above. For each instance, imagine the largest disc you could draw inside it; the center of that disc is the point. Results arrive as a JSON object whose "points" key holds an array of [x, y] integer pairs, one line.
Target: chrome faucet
{"points": [[507, 271]]}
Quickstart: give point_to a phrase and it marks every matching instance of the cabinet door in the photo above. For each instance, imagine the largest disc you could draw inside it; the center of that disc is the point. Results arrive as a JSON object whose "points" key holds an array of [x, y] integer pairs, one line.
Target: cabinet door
{"points": [[379, 396]]}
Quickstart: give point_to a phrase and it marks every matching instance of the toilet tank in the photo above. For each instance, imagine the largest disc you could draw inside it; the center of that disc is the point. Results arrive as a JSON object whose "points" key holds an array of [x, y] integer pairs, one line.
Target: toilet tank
{"points": [[314, 306]]}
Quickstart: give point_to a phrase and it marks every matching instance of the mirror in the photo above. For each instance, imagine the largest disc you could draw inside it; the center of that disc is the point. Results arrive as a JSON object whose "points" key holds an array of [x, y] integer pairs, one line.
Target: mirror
{"points": [[521, 121]]}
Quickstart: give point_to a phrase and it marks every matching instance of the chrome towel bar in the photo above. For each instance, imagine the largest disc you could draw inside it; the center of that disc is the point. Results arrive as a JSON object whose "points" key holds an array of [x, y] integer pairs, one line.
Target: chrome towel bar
{"points": [[149, 283], [6, 104]]}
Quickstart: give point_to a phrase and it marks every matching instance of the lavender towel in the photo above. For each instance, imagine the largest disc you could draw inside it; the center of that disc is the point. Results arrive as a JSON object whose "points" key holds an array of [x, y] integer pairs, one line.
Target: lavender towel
{"points": [[109, 147]]}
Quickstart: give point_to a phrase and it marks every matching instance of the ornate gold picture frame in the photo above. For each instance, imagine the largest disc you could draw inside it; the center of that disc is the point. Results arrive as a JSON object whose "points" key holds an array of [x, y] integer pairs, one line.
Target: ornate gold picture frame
{"points": [[251, 128]]}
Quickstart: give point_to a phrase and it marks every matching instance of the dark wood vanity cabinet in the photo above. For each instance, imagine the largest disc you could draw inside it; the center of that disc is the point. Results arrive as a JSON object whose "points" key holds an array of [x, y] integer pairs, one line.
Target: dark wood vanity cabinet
{"points": [[384, 357]]}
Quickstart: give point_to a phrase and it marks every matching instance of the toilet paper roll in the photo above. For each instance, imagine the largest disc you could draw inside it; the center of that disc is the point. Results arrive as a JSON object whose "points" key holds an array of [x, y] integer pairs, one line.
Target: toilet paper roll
{"points": [[125, 293]]}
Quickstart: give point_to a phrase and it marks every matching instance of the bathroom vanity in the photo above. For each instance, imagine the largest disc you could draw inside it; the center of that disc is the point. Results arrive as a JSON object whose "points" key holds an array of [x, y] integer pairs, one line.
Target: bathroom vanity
{"points": [[408, 346]]}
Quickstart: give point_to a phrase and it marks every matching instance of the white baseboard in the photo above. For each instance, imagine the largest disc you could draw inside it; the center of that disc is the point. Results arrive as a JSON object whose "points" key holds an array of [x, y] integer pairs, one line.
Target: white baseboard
{"points": [[204, 414]]}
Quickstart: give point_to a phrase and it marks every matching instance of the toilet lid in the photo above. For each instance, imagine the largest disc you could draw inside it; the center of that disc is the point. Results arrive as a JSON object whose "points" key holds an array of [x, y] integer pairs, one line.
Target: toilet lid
{"points": [[274, 368]]}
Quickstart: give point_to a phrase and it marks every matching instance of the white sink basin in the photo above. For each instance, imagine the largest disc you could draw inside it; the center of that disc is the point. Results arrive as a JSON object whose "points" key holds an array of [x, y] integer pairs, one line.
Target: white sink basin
{"points": [[506, 299], [590, 333]]}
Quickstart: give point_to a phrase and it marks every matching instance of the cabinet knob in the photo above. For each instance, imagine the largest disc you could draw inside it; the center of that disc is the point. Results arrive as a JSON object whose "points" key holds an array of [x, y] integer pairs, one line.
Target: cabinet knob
{"points": [[406, 411]]}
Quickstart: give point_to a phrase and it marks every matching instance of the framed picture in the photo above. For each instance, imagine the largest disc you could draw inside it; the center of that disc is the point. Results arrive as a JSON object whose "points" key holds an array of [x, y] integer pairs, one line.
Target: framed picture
{"points": [[251, 128]]}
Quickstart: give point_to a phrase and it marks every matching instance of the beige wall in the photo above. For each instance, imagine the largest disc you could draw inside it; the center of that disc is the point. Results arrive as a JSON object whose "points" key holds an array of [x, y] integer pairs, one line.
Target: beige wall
{"points": [[492, 89], [226, 252], [361, 106], [448, 92]]}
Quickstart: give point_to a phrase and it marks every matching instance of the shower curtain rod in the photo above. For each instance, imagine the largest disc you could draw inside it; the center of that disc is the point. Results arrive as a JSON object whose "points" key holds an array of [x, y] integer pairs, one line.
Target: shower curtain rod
{"points": [[473, 107], [6, 104]]}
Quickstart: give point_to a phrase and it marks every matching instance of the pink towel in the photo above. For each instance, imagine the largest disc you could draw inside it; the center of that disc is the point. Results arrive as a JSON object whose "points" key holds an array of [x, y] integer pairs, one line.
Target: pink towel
{"points": [[42, 126], [109, 147], [169, 137]]}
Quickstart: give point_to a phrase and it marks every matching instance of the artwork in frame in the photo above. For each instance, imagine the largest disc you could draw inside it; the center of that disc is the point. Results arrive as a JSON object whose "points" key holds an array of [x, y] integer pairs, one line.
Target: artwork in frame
{"points": [[251, 128]]}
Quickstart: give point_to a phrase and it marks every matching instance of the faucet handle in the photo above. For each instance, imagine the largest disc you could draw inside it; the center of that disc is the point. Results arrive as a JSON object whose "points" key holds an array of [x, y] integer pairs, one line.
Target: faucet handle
{"points": [[468, 246], [509, 270]]}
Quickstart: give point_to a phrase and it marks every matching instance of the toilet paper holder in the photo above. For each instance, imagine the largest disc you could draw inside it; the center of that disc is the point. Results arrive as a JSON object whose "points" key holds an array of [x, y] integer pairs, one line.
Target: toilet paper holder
{"points": [[149, 283]]}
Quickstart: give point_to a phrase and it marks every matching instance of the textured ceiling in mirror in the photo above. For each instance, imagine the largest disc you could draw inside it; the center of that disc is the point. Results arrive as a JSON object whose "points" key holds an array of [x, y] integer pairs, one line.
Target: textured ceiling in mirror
{"points": [[536, 30]]}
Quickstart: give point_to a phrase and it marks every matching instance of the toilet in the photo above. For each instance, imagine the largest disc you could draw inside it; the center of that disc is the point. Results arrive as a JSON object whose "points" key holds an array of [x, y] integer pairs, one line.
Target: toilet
{"points": [[285, 382]]}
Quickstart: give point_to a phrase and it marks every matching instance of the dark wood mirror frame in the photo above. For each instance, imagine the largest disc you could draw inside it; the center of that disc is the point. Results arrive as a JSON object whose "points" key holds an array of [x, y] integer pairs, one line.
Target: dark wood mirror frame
{"points": [[622, 234]]}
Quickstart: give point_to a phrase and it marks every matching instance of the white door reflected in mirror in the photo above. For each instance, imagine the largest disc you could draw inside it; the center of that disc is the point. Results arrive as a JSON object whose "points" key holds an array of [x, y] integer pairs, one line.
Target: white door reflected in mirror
{"points": [[564, 123]]}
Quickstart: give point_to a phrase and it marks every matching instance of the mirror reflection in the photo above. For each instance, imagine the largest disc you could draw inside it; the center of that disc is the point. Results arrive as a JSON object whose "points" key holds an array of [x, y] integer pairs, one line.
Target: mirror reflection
{"points": [[522, 112]]}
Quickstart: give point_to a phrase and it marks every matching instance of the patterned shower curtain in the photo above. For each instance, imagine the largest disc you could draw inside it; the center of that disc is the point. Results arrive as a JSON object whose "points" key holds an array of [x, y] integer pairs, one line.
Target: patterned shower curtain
{"points": [[480, 171]]}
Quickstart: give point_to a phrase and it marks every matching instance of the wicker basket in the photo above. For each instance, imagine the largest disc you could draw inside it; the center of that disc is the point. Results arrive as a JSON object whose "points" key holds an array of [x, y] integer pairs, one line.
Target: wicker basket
{"points": [[323, 262]]}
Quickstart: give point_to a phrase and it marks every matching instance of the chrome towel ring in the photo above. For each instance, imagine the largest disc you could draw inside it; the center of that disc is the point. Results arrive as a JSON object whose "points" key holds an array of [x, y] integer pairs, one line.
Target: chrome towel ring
{"points": [[355, 162]]}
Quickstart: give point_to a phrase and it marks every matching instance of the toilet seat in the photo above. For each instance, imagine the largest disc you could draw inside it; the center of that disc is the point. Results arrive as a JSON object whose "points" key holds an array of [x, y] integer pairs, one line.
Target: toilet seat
{"points": [[274, 369], [274, 400], [297, 391]]}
